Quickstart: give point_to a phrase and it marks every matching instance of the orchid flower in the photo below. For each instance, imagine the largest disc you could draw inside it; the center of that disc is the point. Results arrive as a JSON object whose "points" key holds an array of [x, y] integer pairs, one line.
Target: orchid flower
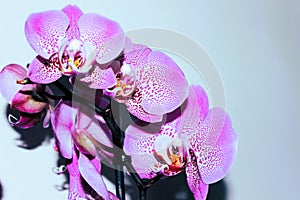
{"points": [[67, 40], [149, 82], [26, 99], [196, 139], [80, 138]]}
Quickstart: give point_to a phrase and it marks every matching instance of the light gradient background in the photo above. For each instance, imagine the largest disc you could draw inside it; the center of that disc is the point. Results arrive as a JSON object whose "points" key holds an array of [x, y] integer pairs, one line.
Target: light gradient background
{"points": [[255, 46]]}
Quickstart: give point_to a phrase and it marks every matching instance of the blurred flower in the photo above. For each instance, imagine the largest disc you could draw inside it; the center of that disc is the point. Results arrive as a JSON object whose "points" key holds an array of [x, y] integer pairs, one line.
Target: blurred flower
{"points": [[193, 138], [23, 96], [68, 41], [82, 139], [86, 181]]}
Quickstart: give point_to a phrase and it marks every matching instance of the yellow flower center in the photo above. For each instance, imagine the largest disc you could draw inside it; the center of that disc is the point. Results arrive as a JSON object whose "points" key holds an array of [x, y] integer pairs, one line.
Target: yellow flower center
{"points": [[170, 154], [72, 57], [126, 84]]}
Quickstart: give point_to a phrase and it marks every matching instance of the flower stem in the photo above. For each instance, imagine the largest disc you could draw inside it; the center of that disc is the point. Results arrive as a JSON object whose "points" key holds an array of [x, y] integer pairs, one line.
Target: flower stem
{"points": [[119, 182], [143, 193], [118, 140]]}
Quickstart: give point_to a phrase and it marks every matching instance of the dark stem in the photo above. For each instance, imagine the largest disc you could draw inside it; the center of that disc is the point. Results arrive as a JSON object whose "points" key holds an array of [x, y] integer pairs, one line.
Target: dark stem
{"points": [[119, 181], [143, 193], [118, 141]]}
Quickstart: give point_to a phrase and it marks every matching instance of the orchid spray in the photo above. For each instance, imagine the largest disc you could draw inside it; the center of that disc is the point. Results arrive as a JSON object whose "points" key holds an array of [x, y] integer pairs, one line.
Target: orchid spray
{"points": [[85, 71]]}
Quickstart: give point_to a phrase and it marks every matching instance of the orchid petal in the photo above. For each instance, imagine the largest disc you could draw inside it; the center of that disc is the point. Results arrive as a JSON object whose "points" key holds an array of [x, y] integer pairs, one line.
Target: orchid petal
{"points": [[101, 133], [41, 73], [105, 34], [112, 196], [196, 185], [202, 100], [73, 13], [128, 44], [45, 31], [140, 142], [162, 86], [62, 120], [136, 54], [92, 176], [25, 102], [8, 81], [79, 188], [134, 106], [195, 107], [101, 78], [98, 130], [47, 119], [215, 146]]}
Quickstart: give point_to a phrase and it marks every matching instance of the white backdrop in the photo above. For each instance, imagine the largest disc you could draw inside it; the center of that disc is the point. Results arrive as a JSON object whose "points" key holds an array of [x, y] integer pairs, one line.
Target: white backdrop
{"points": [[255, 46]]}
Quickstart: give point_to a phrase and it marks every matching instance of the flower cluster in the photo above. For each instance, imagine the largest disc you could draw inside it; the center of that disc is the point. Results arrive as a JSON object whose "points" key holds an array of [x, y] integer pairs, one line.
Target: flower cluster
{"points": [[88, 58]]}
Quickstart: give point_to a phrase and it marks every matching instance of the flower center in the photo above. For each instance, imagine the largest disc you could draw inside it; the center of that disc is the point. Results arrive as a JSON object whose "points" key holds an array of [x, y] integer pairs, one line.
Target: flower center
{"points": [[171, 156], [126, 84], [72, 57]]}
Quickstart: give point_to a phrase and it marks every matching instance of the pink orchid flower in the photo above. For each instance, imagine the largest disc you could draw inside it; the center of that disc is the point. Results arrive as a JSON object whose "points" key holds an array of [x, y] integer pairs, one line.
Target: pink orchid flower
{"points": [[22, 98], [196, 139], [149, 82], [67, 40], [80, 137]]}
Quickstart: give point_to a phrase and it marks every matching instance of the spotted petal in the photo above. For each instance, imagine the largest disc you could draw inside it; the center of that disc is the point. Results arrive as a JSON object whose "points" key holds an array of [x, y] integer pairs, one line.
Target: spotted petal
{"points": [[193, 111], [136, 54], [45, 31], [163, 87], [41, 73], [105, 34], [62, 120], [101, 78], [196, 185], [215, 146], [73, 13], [142, 139], [202, 101], [8, 81], [139, 146], [134, 106]]}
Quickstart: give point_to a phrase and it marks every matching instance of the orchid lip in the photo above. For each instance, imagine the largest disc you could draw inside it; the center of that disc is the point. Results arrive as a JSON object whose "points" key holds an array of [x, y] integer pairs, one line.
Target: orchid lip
{"points": [[171, 159], [72, 57], [126, 84]]}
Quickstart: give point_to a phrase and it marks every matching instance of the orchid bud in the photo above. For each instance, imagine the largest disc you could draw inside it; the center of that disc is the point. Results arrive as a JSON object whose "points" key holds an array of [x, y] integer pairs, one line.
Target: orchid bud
{"points": [[84, 142]]}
